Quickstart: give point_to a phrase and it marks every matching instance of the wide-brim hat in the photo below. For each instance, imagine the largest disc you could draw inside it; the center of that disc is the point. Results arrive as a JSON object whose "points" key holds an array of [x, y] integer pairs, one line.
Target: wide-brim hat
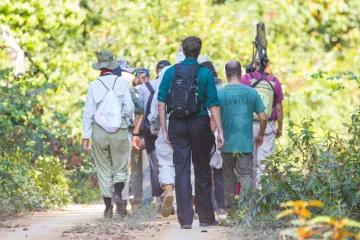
{"points": [[105, 60]]}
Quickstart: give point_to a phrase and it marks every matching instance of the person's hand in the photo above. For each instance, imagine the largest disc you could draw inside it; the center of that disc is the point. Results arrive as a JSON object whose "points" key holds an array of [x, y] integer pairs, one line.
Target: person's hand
{"points": [[166, 137], [85, 144], [259, 141], [136, 142], [278, 132], [220, 141]]}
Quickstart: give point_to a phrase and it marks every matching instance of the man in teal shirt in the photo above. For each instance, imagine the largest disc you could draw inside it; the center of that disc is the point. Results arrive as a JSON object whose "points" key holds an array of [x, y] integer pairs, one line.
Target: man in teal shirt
{"points": [[192, 140], [238, 104]]}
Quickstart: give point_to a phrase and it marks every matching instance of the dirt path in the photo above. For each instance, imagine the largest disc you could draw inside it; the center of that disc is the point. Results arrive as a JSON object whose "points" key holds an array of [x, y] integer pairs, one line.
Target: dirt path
{"points": [[51, 225], [173, 231]]}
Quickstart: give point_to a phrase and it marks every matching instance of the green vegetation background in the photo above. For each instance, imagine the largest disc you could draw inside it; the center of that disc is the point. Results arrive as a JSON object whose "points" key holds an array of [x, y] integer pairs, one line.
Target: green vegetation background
{"points": [[41, 161]]}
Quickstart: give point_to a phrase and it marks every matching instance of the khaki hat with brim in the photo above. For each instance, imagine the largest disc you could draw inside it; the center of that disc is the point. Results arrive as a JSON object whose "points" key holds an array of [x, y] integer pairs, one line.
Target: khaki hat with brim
{"points": [[105, 60]]}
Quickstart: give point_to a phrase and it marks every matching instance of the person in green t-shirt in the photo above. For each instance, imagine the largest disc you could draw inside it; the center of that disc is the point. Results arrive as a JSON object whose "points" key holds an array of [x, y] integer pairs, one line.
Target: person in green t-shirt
{"points": [[238, 103]]}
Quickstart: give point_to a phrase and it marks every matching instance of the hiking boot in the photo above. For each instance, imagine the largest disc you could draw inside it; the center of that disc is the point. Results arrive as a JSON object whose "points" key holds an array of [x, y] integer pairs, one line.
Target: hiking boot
{"points": [[167, 205], [108, 207], [186, 226], [108, 213], [120, 206], [214, 224]]}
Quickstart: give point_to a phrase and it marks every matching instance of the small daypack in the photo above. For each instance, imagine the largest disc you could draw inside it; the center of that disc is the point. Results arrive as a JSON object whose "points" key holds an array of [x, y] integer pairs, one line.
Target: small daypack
{"points": [[147, 129], [266, 91], [183, 100], [109, 113]]}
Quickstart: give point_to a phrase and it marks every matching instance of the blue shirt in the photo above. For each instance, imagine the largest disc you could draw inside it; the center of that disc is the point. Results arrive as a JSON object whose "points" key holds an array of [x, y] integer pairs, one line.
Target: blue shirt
{"points": [[238, 104], [206, 89]]}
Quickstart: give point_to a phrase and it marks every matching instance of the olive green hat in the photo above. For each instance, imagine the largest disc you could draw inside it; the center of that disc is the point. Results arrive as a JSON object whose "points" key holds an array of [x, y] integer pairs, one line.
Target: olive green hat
{"points": [[105, 60]]}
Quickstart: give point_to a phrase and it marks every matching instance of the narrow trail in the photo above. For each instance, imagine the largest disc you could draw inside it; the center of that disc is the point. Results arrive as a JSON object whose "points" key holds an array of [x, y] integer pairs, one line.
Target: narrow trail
{"points": [[51, 225], [173, 231]]}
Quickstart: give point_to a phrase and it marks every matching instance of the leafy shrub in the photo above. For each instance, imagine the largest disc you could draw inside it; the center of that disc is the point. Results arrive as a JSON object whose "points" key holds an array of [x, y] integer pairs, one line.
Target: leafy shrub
{"points": [[83, 182], [49, 176], [323, 227], [324, 168], [18, 192]]}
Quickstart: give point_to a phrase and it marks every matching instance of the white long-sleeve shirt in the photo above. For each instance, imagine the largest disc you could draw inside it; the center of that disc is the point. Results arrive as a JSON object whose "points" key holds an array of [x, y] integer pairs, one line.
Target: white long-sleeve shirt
{"points": [[96, 93]]}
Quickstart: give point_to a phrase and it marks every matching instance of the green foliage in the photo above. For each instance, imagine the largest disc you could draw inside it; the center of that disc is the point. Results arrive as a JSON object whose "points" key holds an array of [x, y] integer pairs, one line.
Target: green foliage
{"points": [[18, 192], [24, 187], [40, 112], [324, 168], [83, 182], [49, 176]]}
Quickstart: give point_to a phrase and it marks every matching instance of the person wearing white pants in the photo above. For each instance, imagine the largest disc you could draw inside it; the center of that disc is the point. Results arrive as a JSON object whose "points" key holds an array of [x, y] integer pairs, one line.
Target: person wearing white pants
{"points": [[266, 149], [275, 115]]}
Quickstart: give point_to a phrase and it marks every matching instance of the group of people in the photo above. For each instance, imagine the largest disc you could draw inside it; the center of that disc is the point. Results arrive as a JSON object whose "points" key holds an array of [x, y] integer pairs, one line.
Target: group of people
{"points": [[165, 130]]}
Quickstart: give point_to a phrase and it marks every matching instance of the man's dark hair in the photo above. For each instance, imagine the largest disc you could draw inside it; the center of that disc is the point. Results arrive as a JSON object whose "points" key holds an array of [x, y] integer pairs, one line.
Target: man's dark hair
{"points": [[233, 68], [209, 65], [191, 47]]}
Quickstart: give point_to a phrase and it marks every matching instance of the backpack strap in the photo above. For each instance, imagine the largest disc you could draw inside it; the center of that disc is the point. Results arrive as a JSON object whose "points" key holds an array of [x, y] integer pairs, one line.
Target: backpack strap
{"points": [[115, 82], [103, 84], [106, 86], [263, 78]]}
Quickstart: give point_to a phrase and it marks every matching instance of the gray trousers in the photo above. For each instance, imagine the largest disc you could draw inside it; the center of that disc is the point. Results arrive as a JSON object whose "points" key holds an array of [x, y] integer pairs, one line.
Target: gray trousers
{"points": [[140, 174], [242, 163]]}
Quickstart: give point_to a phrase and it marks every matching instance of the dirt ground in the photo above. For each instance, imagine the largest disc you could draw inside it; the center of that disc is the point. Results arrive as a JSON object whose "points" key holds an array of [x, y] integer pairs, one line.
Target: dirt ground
{"points": [[85, 222]]}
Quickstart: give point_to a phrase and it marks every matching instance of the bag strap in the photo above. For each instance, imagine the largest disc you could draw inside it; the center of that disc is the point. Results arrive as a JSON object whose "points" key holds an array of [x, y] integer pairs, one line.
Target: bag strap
{"points": [[115, 82], [150, 88], [148, 105], [106, 86], [103, 84], [263, 78]]}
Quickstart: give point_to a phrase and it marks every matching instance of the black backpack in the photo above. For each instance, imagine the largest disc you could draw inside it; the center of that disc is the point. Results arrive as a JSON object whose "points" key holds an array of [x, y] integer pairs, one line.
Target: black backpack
{"points": [[147, 129], [183, 100]]}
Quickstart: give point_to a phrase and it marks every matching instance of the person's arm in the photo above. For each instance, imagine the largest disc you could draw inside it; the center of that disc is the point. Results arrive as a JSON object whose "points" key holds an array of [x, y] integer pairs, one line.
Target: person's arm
{"points": [[279, 111], [212, 124], [136, 138], [88, 118], [163, 92], [213, 104], [260, 137], [216, 115], [162, 117], [259, 109]]}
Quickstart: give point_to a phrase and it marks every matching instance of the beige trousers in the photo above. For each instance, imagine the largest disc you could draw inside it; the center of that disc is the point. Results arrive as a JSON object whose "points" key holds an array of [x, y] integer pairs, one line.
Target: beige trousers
{"points": [[111, 158]]}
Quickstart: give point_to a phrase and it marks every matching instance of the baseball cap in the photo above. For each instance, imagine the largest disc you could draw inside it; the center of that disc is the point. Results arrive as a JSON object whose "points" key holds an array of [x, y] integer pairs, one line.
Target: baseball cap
{"points": [[163, 63], [142, 71], [125, 66]]}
